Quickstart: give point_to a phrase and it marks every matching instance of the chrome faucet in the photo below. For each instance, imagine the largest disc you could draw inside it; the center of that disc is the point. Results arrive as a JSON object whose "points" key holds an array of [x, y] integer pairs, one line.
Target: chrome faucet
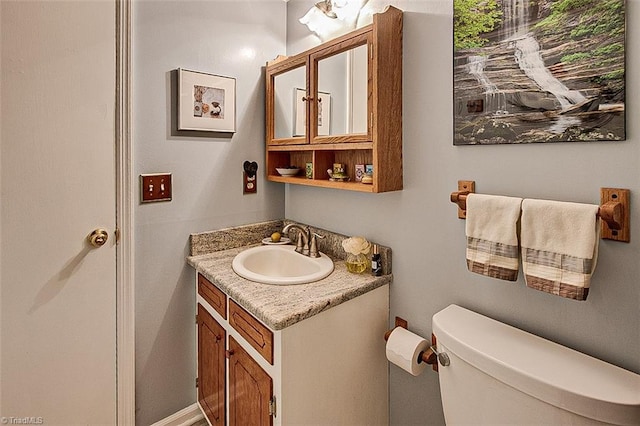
{"points": [[302, 245], [306, 244]]}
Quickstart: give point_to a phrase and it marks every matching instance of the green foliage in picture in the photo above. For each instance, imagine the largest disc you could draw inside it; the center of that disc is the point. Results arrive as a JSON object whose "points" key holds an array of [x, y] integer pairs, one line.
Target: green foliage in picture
{"points": [[471, 19], [595, 17]]}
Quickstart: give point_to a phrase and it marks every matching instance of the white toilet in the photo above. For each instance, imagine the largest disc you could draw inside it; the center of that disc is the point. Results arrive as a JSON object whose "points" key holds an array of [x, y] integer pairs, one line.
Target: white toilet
{"points": [[500, 375]]}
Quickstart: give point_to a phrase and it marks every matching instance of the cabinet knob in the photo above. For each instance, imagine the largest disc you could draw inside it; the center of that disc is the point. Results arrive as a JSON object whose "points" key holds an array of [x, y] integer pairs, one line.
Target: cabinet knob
{"points": [[228, 353], [307, 98], [218, 338]]}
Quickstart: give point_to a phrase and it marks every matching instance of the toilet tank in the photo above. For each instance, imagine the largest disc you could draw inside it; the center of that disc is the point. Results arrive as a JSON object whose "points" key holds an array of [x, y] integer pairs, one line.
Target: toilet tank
{"points": [[499, 374]]}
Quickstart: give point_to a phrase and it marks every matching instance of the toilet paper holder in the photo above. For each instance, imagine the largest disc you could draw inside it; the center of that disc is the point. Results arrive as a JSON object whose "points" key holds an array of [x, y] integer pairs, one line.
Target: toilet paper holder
{"points": [[431, 356]]}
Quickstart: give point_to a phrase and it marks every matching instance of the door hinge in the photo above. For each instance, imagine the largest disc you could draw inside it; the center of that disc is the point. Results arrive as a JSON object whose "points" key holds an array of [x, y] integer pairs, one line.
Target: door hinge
{"points": [[197, 382], [272, 406], [117, 235], [196, 318]]}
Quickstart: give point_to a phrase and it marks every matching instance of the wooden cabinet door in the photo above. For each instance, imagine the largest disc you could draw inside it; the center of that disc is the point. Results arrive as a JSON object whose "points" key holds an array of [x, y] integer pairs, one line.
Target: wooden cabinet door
{"points": [[250, 389], [211, 364]]}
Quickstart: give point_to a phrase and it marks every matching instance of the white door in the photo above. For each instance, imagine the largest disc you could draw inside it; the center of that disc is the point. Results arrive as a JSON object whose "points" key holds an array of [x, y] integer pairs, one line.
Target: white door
{"points": [[58, 293]]}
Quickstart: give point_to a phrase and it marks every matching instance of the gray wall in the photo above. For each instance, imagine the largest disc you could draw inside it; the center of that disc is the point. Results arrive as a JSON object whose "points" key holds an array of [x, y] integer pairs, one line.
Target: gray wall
{"points": [[232, 38], [421, 225]]}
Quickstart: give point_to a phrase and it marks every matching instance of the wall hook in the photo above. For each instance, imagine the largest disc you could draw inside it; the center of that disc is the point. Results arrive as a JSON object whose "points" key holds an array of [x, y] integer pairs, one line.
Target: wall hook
{"points": [[250, 168]]}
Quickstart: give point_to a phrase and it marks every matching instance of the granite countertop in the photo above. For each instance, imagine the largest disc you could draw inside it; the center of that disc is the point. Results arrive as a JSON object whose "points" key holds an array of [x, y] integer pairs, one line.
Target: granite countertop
{"points": [[282, 306]]}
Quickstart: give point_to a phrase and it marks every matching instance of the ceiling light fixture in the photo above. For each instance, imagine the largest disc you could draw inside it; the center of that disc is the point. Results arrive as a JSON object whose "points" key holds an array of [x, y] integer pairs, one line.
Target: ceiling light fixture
{"points": [[331, 18], [326, 8]]}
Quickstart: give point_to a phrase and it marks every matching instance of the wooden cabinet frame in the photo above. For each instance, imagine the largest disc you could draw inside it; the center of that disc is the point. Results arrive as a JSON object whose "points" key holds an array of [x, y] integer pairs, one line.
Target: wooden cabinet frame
{"points": [[381, 146]]}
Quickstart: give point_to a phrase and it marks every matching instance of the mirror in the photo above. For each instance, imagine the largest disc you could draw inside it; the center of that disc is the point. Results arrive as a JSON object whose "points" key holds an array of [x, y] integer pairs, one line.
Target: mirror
{"points": [[342, 92], [285, 89], [342, 96]]}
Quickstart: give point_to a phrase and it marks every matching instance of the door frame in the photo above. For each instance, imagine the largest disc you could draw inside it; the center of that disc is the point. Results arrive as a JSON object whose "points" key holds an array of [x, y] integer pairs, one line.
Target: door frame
{"points": [[125, 302]]}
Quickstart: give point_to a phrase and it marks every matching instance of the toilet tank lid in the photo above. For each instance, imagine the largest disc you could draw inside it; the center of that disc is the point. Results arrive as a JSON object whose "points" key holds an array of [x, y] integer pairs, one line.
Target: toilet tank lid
{"points": [[543, 369]]}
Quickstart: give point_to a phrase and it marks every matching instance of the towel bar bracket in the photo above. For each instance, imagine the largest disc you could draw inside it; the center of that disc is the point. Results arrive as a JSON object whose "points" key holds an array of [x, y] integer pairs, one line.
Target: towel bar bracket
{"points": [[615, 212], [464, 187]]}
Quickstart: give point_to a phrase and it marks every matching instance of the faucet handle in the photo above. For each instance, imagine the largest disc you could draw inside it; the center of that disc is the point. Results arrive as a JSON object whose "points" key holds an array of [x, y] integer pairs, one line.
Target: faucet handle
{"points": [[299, 243], [313, 250]]}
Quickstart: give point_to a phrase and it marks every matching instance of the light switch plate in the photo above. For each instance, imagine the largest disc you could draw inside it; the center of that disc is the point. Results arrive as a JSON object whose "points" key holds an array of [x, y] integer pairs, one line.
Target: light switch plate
{"points": [[155, 187]]}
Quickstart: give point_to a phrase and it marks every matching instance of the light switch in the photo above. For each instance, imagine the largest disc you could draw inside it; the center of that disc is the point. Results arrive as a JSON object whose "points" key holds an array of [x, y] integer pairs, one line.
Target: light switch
{"points": [[155, 187]]}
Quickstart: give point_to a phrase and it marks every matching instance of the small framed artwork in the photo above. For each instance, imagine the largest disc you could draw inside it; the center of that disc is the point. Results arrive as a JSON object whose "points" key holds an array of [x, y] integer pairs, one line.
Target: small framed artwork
{"points": [[206, 102], [300, 113]]}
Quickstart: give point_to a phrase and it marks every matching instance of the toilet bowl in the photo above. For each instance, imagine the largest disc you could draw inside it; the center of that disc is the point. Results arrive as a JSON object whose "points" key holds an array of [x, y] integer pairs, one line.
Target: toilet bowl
{"points": [[500, 375]]}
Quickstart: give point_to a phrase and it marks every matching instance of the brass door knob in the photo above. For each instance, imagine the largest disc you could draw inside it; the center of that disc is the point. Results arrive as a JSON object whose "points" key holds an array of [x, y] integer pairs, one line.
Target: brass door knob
{"points": [[98, 237]]}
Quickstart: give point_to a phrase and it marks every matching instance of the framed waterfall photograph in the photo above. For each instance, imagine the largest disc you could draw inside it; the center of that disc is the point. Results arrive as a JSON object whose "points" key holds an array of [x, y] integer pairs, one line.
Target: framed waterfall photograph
{"points": [[206, 102], [538, 71]]}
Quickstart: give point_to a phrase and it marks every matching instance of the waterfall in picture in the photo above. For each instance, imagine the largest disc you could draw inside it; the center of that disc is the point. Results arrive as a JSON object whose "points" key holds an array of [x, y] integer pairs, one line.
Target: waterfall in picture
{"points": [[529, 59], [527, 53], [515, 13], [493, 98]]}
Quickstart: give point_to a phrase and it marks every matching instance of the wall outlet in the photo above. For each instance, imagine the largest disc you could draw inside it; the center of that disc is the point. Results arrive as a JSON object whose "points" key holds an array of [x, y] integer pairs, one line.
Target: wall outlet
{"points": [[250, 184], [155, 187]]}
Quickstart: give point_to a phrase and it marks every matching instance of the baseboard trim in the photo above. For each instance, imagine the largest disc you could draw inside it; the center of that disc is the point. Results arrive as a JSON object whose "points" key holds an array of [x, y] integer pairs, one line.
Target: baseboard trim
{"points": [[185, 417]]}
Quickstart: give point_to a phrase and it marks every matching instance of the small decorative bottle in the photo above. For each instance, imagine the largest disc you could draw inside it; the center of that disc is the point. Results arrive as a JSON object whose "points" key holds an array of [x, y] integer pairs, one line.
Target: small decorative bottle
{"points": [[356, 263], [376, 264]]}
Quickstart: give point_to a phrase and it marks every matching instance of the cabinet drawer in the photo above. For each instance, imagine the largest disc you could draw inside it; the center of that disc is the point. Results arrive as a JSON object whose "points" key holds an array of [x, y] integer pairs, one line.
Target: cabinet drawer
{"points": [[212, 294], [258, 336]]}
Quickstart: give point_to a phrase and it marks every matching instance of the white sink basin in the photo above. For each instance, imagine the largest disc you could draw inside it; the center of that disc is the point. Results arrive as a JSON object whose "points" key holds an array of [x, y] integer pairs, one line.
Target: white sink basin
{"points": [[281, 265]]}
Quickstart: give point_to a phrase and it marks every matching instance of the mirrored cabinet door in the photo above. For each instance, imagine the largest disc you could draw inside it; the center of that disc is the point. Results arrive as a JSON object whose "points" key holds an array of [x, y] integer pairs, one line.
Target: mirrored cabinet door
{"points": [[289, 120], [341, 87], [287, 106]]}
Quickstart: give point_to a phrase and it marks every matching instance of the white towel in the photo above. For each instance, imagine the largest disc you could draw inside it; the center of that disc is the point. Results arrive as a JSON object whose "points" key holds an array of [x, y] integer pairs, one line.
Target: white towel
{"points": [[492, 235], [559, 246]]}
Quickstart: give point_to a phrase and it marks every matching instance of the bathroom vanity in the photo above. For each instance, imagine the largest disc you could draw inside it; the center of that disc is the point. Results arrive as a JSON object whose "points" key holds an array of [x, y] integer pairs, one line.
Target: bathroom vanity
{"points": [[288, 354]]}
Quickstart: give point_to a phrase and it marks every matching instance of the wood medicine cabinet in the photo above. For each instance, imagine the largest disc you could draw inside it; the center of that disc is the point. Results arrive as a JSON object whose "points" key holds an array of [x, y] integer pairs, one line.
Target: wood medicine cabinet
{"points": [[340, 102]]}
